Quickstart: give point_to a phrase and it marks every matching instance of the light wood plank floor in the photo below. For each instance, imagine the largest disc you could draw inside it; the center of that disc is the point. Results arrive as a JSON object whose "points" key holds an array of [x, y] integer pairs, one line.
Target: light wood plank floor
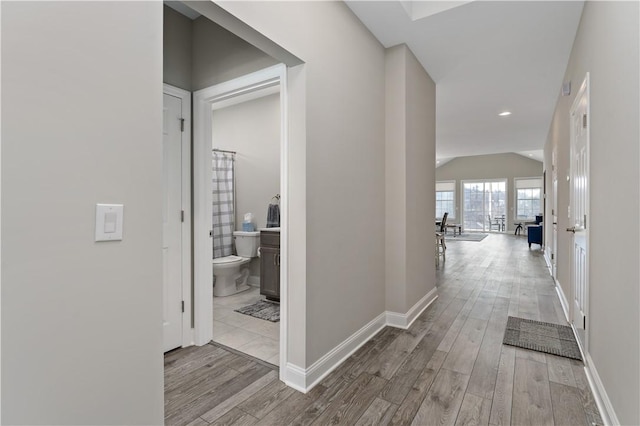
{"points": [[450, 367]]}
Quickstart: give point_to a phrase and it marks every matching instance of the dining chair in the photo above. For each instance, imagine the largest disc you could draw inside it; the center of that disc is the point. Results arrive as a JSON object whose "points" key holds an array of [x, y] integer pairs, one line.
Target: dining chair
{"points": [[441, 246], [494, 222]]}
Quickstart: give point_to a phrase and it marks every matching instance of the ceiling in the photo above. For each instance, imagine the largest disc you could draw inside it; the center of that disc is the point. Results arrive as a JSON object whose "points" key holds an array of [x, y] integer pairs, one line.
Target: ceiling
{"points": [[485, 57]]}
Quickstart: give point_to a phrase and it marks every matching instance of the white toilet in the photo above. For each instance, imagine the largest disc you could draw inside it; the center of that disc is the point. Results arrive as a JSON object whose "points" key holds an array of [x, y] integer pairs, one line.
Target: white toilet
{"points": [[228, 278]]}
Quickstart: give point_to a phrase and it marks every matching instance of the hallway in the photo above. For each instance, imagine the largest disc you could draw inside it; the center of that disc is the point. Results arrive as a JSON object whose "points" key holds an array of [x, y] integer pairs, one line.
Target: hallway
{"points": [[449, 367]]}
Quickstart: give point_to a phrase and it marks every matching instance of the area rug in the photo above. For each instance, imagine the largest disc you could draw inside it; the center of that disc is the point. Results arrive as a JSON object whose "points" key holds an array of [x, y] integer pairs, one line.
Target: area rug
{"points": [[263, 309], [465, 237], [544, 337]]}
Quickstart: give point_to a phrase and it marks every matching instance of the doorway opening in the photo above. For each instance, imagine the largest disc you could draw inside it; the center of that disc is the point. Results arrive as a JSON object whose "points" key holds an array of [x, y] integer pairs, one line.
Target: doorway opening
{"points": [[245, 188], [212, 106], [207, 53]]}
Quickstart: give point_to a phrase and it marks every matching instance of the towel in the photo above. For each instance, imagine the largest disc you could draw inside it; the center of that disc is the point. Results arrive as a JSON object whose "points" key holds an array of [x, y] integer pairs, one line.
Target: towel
{"points": [[273, 216]]}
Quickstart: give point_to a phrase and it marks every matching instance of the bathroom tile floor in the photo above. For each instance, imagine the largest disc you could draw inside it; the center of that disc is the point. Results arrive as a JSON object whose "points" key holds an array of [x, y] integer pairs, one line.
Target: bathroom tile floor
{"points": [[253, 336]]}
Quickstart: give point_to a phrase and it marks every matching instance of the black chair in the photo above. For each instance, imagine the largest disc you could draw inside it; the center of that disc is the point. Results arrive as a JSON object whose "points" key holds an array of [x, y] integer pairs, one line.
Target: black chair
{"points": [[443, 223], [441, 246]]}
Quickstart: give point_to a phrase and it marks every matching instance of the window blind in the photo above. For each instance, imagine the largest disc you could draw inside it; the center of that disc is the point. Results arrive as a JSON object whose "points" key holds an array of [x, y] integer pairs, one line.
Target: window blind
{"points": [[446, 186], [527, 183]]}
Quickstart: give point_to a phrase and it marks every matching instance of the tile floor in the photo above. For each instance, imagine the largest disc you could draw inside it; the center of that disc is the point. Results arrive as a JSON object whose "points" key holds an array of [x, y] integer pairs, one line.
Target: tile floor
{"points": [[253, 336]]}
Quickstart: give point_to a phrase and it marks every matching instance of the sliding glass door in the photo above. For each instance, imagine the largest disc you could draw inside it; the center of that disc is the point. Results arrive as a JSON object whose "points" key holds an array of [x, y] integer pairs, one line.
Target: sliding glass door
{"points": [[484, 205]]}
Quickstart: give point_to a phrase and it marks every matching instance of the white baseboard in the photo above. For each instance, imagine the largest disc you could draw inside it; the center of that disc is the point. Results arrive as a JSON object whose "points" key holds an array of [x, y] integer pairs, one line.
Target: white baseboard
{"points": [[563, 300], [547, 259], [600, 394], [404, 321], [295, 377], [304, 380]]}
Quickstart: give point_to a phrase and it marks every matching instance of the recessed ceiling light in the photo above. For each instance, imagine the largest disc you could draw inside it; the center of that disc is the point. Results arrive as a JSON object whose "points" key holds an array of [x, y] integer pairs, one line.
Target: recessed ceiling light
{"points": [[530, 155], [504, 113], [438, 162]]}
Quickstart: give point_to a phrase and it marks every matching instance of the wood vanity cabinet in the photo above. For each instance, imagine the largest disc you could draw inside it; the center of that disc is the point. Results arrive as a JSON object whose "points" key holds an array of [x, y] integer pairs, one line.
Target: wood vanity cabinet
{"points": [[270, 264]]}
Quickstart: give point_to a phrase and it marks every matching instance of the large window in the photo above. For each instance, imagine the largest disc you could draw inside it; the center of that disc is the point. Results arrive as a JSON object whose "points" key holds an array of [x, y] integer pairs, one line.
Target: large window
{"points": [[446, 199], [528, 198], [484, 205]]}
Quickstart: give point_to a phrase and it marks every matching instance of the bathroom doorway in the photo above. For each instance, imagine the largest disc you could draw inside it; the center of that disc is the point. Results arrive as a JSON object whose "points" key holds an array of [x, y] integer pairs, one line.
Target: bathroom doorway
{"points": [[239, 125], [246, 219]]}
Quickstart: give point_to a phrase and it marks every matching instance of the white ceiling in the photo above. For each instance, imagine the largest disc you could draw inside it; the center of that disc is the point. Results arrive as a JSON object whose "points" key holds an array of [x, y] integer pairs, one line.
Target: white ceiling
{"points": [[485, 57]]}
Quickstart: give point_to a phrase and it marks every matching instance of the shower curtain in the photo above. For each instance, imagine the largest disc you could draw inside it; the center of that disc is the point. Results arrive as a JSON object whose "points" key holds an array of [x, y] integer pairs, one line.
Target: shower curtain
{"points": [[223, 203]]}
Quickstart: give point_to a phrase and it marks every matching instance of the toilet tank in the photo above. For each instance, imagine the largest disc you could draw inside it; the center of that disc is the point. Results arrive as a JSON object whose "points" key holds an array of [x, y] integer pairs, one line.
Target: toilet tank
{"points": [[247, 243]]}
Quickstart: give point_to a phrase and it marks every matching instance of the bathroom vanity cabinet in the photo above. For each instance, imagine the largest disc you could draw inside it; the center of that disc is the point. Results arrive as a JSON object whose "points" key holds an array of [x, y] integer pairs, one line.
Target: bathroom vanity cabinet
{"points": [[270, 264]]}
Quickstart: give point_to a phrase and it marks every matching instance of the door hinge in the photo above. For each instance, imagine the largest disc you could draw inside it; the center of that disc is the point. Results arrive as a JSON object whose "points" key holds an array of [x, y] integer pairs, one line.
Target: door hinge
{"points": [[183, 306], [552, 256], [585, 221], [584, 121], [181, 124], [584, 322], [211, 233], [182, 215]]}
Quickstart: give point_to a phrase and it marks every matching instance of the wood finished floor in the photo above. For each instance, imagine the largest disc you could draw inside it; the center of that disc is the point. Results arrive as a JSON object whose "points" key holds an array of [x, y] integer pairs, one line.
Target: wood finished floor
{"points": [[449, 367]]}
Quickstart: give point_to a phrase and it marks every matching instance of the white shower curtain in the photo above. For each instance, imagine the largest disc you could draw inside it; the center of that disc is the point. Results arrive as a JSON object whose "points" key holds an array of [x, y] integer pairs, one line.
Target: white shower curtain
{"points": [[223, 203]]}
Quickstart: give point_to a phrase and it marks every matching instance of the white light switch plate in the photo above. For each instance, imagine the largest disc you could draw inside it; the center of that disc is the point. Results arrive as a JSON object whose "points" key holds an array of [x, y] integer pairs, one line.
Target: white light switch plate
{"points": [[109, 218]]}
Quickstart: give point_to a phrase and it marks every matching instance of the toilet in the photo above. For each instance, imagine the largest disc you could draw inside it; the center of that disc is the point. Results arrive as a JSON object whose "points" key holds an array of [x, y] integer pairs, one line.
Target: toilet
{"points": [[228, 278]]}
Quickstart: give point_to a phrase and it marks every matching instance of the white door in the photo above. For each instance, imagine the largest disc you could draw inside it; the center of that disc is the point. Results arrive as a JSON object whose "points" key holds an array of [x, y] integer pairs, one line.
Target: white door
{"points": [[554, 216], [579, 211], [172, 222]]}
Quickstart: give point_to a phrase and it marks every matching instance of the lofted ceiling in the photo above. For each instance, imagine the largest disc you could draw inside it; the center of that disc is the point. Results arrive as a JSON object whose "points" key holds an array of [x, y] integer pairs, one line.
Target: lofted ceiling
{"points": [[485, 57]]}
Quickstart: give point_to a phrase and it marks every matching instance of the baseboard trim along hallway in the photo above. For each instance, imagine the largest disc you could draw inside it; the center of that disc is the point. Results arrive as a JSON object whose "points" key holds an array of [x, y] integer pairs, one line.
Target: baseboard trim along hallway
{"points": [[304, 380], [600, 394], [404, 321], [563, 300]]}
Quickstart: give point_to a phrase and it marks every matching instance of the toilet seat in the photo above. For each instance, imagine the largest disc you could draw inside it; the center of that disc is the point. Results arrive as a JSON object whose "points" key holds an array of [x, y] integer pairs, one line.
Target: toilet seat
{"points": [[227, 259]]}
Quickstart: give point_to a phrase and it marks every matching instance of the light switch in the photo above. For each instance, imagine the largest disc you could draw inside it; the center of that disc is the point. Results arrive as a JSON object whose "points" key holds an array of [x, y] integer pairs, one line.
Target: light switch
{"points": [[109, 220]]}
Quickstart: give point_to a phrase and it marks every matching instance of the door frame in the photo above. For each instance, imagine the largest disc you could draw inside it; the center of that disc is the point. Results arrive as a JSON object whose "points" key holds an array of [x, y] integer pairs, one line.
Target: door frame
{"points": [[584, 91], [506, 193], [234, 91], [187, 330]]}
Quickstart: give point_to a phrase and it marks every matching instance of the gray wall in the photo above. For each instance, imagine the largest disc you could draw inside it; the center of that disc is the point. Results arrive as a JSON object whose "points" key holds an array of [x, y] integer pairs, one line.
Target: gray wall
{"points": [[421, 152], [200, 53], [252, 129], [177, 40], [343, 143], [497, 166], [607, 47], [81, 124], [409, 181], [219, 55], [395, 179]]}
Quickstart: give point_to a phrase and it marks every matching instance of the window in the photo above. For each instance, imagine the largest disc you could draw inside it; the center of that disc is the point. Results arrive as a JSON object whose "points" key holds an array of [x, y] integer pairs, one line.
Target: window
{"points": [[446, 199], [484, 205], [528, 198]]}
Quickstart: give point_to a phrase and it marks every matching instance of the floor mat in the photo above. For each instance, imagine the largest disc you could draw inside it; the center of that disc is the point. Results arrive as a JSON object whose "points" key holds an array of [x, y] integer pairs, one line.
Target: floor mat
{"points": [[544, 337], [263, 309]]}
